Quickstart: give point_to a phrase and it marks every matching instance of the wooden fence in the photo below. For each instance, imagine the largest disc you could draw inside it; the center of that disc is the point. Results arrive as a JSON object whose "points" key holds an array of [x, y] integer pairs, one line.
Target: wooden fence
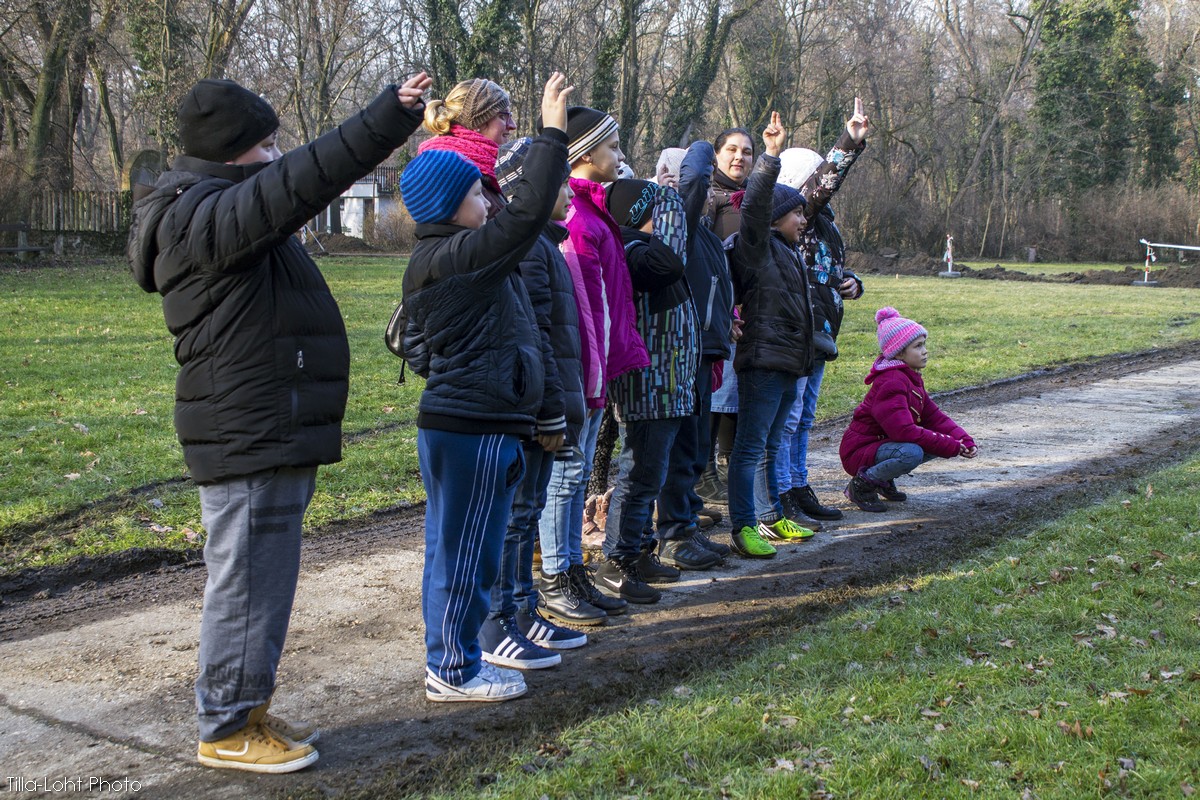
{"points": [[80, 211]]}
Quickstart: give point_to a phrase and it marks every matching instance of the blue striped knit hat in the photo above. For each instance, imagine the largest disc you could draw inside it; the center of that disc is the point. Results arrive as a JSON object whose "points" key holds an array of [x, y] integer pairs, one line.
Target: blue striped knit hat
{"points": [[434, 184]]}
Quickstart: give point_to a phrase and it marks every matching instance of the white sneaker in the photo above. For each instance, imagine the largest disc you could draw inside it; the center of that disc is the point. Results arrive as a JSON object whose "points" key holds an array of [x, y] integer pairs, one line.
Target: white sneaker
{"points": [[491, 685]]}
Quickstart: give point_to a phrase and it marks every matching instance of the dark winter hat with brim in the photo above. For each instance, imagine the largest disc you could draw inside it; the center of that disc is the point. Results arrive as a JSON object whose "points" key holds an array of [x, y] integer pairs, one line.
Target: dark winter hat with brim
{"points": [[783, 200], [631, 201], [434, 184], [219, 120]]}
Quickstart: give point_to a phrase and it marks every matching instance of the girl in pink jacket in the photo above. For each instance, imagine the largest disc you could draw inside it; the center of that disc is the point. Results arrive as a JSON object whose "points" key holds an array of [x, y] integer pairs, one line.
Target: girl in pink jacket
{"points": [[897, 427]]}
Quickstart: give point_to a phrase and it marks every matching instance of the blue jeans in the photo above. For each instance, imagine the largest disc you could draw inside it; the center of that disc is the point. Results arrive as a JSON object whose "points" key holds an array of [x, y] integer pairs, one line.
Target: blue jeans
{"points": [[678, 503], [793, 471], [725, 399], [253, 558], [894, 459], [561, 525], [764, 398], [514, 588], [470, 480], [641, 474]]}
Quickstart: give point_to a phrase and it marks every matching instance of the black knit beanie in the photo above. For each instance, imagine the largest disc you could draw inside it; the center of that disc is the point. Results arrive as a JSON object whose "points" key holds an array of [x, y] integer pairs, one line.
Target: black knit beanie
{"points": [[219, 120], [783, 200], [631, 201]]}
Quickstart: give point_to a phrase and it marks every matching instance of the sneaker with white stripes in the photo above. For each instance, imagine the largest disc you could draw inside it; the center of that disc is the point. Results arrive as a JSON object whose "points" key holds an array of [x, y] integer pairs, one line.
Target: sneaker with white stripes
{"points": [[490, 685], [545, 633], [503, 644]]}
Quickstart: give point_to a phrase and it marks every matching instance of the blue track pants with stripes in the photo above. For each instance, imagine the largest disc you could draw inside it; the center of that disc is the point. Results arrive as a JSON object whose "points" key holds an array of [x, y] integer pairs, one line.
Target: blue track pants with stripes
{"points": [[470, 481]]}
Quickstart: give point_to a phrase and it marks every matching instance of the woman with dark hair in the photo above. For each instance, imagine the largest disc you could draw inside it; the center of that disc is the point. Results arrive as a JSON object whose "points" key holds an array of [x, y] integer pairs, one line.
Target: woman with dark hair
{"points": [[734, 158]]}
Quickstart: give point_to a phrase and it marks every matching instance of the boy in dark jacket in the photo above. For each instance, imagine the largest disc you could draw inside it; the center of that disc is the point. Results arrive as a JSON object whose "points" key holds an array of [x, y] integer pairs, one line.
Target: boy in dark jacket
{"points": [[264, 372], [484, 390], [818, 179], [515, 634], [775, 349], [681, 543], [653, 402]]}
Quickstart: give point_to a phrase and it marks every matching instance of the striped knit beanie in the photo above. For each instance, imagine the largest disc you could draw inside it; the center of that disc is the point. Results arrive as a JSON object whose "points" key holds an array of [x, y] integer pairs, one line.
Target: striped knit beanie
{"points": [[586, 128], [896, 332], [434, 184], [510, 162]]}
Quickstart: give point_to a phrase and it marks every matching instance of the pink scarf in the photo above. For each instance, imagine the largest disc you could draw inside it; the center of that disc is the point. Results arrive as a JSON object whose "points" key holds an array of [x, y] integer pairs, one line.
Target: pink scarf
{"points": [[471, 145]]}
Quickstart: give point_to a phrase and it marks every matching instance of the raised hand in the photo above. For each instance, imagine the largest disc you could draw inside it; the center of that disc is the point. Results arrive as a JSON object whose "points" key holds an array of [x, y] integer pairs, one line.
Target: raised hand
{"points": [[774, 135], [859, 123], [409, 93], [554, 102]]}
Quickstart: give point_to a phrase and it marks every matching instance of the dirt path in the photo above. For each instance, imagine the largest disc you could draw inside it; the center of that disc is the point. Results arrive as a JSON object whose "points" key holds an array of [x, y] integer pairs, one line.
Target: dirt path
{"points": [[96, 677]]}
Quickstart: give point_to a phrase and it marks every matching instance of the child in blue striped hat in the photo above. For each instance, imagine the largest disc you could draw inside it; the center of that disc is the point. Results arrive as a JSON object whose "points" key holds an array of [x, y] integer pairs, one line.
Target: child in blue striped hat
{"points": [[484, 390]]}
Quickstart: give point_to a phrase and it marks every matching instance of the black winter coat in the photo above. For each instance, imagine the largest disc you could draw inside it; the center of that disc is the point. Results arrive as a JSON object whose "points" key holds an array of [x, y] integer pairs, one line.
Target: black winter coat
{"points": [[771, 284], [552, 294], [707, 268], [463, 294], [264, 361]]}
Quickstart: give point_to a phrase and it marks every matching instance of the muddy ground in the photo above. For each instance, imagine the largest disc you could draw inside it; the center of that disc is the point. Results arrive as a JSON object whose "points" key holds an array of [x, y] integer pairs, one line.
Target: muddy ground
{"points": [[95, 670]]}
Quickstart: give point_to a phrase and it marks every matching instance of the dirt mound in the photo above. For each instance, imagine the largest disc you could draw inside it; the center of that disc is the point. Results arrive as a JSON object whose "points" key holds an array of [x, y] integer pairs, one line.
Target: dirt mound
{"points": [[340, 244], [1174, 277]]}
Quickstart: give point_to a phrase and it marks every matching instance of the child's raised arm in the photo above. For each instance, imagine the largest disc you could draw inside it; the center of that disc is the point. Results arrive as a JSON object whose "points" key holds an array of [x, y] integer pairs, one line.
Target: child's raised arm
{"points": [[755, 232]]}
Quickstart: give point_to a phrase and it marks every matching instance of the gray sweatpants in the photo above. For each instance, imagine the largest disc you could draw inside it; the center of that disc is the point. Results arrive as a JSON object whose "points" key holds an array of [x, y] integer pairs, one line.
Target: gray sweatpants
{"points": [[253, 559]]}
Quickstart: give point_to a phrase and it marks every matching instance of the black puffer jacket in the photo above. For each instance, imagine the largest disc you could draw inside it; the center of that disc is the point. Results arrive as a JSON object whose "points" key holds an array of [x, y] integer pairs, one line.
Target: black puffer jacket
{"points": [[551, 292], [259, 338], [707, 269], [464, 296], [771, 284]]}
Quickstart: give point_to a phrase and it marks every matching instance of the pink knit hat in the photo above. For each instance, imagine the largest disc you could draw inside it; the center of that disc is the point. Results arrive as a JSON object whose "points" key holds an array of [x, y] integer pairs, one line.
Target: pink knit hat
{"points": [[896, 332]]}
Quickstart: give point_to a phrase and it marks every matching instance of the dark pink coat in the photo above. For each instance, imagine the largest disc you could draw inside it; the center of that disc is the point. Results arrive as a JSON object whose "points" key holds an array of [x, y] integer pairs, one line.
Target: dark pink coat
{"points": [[609, 339], [898, 409]]}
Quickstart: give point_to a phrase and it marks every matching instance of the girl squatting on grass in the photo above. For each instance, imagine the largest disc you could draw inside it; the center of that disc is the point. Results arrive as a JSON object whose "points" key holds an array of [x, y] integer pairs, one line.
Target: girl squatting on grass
{"points": [[484, 388], [897, 427]]}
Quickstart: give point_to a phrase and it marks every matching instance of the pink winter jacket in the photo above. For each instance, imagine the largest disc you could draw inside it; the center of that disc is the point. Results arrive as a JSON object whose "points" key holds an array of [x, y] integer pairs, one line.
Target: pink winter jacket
{"points": [[898, 409], [610, 344]]}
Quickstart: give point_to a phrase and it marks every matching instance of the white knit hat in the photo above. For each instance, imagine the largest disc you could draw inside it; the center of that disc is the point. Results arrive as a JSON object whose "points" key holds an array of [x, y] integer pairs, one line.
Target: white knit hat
{"points": [[797, 165]]}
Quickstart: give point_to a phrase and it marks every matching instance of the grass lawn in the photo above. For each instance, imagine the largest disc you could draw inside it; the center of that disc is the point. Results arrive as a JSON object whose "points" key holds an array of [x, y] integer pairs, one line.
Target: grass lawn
{"points": [[1059, 665], [89, 378]]}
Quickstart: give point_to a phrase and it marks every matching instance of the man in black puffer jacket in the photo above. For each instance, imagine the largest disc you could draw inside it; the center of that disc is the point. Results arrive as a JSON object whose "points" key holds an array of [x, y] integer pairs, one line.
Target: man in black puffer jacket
{"points": [[264, 373]]}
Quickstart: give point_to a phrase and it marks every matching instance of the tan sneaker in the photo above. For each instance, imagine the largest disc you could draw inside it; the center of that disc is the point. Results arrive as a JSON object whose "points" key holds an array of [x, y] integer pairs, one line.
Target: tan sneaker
{"points": [[294, 732], [256, 748]]}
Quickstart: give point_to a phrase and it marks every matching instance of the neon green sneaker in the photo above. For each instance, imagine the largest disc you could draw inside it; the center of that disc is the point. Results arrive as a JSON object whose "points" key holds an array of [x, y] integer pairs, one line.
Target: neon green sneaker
{"points": [[784, 531], [750, 544]]}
